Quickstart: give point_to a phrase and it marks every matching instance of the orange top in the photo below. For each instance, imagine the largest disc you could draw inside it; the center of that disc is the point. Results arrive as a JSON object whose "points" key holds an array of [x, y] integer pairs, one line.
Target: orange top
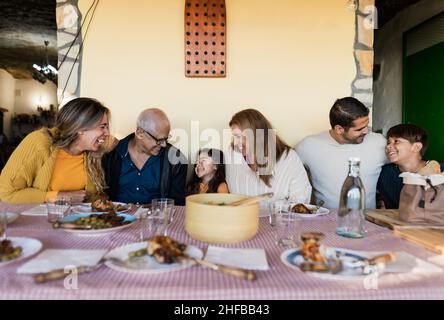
{"points": [[222, 188], [68, 174]]}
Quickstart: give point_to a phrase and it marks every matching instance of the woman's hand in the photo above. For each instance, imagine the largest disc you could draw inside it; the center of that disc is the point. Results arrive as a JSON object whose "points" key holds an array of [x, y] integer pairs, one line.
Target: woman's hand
{"points": [[76, 196]]}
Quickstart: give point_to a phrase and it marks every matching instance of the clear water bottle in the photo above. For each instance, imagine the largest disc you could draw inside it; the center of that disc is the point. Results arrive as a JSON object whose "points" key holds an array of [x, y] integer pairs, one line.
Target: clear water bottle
{"points": [[352, 203]]}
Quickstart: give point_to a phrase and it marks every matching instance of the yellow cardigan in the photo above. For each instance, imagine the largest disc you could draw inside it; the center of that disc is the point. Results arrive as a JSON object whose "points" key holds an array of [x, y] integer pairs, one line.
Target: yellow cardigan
{"points": [[27, 174]]}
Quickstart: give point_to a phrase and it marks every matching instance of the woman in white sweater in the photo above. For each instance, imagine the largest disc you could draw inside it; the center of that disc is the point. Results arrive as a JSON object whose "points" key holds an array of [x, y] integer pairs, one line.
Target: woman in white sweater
{"points": [[259, 161]]}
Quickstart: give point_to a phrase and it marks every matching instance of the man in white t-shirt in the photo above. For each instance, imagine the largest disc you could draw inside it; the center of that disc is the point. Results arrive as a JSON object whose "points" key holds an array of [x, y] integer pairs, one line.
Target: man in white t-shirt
{"points": [[326, 154]]}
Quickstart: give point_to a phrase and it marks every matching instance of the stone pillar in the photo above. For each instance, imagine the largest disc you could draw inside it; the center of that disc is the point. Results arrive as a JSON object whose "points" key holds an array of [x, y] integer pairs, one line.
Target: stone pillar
{"points": [[69, 39], [366, 22]]}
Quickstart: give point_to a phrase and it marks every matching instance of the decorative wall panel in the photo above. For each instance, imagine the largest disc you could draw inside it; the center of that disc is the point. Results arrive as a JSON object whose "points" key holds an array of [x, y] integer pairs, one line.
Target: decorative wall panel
{"points": [[205, 38]]}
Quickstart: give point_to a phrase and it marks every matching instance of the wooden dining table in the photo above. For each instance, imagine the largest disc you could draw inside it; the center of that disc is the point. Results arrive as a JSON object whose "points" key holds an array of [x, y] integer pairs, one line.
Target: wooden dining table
{"points": [[200, 283]]}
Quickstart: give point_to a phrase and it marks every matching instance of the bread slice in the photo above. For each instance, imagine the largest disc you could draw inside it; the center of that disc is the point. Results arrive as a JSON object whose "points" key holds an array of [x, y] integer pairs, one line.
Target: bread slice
{"points": [[433, 167]]}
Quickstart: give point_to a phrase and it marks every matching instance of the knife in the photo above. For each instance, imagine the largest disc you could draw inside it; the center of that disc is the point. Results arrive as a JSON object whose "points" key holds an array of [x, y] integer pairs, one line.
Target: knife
{"points": [[233, 271], [71, 225], [60, 273]]}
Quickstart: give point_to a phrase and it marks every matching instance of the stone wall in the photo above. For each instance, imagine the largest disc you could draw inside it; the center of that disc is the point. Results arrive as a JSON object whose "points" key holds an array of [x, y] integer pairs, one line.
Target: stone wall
{"points": [[366, 18], [69, 20]]}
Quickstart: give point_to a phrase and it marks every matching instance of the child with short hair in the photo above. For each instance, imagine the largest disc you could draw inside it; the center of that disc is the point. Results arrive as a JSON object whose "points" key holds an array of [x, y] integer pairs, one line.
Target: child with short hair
{"points": [[406, 145], [209, 173]]}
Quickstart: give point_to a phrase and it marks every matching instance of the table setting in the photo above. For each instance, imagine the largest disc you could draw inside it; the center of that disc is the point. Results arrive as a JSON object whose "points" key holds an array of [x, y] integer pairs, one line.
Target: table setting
{"points": [[226, 255]]}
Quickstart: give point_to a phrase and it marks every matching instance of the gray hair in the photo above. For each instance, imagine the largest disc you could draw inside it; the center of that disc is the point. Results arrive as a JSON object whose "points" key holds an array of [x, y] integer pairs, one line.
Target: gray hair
{"points": [[151, 119]]}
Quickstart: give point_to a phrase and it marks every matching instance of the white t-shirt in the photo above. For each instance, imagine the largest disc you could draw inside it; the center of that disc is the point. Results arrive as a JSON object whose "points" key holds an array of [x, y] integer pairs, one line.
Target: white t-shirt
{"points": [[289, 178], [327, 163]]}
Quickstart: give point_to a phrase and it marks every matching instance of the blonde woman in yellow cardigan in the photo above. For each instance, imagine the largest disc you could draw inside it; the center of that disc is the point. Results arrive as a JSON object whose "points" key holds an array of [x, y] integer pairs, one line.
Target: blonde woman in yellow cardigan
{"points": [[64, 161]]}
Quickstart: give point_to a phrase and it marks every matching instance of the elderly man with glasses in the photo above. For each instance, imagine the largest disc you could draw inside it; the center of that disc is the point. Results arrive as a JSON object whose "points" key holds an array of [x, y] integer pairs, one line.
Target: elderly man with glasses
{"points": [[144, 166]]}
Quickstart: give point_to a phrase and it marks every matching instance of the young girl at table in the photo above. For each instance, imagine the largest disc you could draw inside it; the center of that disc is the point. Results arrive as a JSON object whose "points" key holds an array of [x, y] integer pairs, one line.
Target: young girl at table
{"points": [[209, 173]]}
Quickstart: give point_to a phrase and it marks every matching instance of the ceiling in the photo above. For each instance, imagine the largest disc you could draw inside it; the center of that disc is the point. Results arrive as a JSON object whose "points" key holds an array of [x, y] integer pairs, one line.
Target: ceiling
{"points": [[387, 9], [26, 24]]}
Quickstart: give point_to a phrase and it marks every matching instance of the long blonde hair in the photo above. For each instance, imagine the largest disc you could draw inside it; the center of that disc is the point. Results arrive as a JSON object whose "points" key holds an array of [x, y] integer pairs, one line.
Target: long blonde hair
{"points": [[264, 155], [78, 114]]}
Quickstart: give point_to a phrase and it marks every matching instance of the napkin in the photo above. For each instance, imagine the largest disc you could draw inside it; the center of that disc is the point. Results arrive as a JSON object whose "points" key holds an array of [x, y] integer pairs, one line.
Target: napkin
{"points": [[141, 211], [54, 259], [254, 259], [404, 263], [39, 210]]}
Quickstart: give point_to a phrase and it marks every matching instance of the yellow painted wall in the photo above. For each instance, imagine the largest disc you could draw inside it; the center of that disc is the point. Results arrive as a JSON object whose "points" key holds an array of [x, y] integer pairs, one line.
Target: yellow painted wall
{"points": [[288, 58]]}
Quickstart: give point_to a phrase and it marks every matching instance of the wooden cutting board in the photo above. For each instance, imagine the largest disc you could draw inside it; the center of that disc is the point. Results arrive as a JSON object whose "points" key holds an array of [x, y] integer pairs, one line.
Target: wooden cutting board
{"points": [[432, 239], [385, 218], [426, 236]]}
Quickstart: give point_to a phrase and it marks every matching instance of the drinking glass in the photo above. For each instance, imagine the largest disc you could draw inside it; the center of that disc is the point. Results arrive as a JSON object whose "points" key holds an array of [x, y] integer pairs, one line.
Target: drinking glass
{"points": [[149, 223], [285, 229], [57, 209], [163, 208], [277, 207]]}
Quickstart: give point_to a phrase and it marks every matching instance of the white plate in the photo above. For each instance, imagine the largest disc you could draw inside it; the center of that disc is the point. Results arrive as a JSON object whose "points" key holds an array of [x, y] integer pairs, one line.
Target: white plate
{"points": [[10, 217], [29, 247], [86, 207], [264, 210], [147, 264], [320, 212], [293, 259], [73, 217]]}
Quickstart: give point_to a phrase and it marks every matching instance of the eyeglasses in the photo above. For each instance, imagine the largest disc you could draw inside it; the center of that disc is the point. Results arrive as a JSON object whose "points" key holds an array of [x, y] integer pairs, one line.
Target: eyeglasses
{"points": [[158, 141]]}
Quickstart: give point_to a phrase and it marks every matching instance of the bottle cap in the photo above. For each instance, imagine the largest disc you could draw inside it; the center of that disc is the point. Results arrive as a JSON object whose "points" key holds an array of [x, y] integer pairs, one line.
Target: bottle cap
{"points": [[354, 159]]}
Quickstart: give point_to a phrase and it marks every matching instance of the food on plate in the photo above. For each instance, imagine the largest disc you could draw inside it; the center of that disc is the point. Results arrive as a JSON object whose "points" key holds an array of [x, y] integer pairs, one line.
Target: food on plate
{"points": [[121, 207], [102, 221], [311, 245], [91, 197], [301, 208], [163, 249], [166, 250], [8, 252], [102, 205]]}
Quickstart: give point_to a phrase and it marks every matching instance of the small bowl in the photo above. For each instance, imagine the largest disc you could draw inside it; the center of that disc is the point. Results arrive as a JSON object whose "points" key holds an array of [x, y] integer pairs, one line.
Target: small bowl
{"points": [[209, 218]]}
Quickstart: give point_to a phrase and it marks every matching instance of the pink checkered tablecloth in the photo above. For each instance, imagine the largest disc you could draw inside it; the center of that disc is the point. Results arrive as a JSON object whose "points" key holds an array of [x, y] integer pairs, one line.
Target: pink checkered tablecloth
{"points": [[279, 282]]}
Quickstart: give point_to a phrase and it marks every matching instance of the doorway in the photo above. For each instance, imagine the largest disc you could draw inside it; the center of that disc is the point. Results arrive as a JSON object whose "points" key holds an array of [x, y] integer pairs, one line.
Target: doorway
{"points": [[423, 82]]}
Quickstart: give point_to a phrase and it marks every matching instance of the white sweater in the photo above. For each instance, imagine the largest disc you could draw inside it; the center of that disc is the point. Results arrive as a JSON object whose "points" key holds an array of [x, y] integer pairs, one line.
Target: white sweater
{"points": [[327, 163], [289, 178]]}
